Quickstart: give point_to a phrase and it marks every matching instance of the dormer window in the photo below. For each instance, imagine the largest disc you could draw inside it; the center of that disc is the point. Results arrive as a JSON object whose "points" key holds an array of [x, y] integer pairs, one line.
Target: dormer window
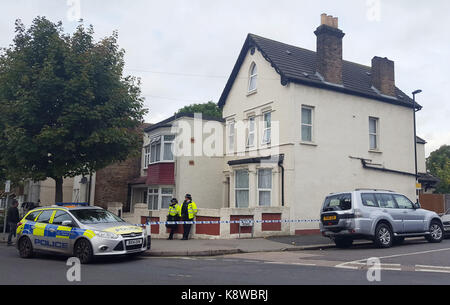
{"points": [[252, 78]]}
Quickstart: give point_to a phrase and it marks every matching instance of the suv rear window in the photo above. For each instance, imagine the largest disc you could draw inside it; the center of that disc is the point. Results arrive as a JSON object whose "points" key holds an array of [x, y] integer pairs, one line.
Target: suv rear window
{"points": [[341, 202], [369, 200]]}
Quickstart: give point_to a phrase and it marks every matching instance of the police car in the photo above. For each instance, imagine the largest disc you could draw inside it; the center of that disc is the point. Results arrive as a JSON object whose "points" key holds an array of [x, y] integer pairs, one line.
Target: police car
{"points": [[79, 230]]}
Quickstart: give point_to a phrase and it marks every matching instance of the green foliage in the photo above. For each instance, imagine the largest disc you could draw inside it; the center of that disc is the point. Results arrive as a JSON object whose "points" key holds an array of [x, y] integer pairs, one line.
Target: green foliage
{"points": [[65, 108], [438, 164], [208, 109]]}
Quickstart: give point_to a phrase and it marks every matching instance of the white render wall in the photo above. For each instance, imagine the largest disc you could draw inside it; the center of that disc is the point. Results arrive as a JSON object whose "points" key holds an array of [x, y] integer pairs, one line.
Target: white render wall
{"points": [[341, 130]]}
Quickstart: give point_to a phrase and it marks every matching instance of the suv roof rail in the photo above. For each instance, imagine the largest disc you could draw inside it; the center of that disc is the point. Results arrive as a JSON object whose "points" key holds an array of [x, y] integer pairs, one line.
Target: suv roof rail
{"points": [[369, 189]]}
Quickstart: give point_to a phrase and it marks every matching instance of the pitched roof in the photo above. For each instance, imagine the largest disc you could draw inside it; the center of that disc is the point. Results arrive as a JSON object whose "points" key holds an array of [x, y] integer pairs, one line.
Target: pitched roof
{"points": [[168, 122], [298, 65]]}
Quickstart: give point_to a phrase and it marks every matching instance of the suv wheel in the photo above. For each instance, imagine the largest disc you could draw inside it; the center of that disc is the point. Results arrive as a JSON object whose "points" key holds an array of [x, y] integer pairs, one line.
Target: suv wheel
{"points": [[83, 251], [343, 242], [383, 236], [25, 248], [436, 232]]}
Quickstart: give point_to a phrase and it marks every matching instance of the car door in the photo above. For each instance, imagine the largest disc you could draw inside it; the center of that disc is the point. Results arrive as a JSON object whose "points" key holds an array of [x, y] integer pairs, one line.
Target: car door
{"points": [[41, 240], [61, 234], [388, 206], [414, 219]]}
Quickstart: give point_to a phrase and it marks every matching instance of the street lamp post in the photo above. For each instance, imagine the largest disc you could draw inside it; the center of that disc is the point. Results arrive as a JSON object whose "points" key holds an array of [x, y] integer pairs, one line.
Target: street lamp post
{"points": [[415, 139]]}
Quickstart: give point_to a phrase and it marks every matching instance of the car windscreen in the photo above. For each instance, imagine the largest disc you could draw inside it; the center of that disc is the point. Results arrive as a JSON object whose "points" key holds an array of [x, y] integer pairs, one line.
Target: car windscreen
{"points": [[340, 202], [91, 216]]}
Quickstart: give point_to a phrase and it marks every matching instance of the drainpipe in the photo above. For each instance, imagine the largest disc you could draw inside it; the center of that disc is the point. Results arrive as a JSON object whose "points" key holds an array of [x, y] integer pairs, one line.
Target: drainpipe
{"points": [[280, 164]]}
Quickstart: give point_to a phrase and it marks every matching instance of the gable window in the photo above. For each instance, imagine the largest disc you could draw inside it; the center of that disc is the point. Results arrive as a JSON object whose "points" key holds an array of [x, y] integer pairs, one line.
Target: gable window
{"points": [[241, 188], [307, 124], [251, 132], [267, 127], [373, 133], [264, 186], [252, 78]]}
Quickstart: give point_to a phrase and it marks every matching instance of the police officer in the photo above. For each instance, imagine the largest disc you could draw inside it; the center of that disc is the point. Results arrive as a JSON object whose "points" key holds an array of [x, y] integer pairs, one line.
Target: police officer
{"points": [[188, 212], [174, 215]]}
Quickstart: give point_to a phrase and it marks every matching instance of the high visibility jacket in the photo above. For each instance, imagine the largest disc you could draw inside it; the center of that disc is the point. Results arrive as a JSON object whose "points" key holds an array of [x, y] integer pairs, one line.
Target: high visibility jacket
{"points": [[192, 210], [175, 210]]}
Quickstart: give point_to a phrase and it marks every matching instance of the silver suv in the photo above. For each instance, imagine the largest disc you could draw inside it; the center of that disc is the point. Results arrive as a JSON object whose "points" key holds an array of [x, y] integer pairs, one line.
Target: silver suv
{"points": [[383, 216]]}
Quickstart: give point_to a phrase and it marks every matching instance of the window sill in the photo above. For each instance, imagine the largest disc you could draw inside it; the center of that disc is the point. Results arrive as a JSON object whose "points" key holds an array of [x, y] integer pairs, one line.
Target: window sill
{"points": [[375, 151], [252, 92], [308, 143]]}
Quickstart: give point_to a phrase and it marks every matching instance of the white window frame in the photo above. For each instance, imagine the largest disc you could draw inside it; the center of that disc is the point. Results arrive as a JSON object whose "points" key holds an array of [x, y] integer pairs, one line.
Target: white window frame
{"points": [[159, 194], [147, 150], [266, 129], [265, 189], [160, 139], [253, 76], [231, 130], [303, 124], [251, 131], [376, 134], [236, 189]]}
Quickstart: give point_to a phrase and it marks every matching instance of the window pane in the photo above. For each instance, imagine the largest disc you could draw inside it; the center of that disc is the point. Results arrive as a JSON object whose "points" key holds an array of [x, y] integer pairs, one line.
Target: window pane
{"points": [[264, 198], [373, 141], [167, 191], [168, 154], [45, 216], [265, 178], [369, 200], [306, 133], [267, 119], [307, 116], [251, 139], [241, 198], [60, 216], [403, 202], [252, 84], [169, 138], [158, 152], [372, 125], [241, 179], [266, 136], [165, 202]]}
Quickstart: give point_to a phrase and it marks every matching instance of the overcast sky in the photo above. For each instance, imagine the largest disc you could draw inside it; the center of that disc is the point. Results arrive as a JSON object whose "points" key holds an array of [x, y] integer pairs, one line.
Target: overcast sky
{"points": [[184, 50]]}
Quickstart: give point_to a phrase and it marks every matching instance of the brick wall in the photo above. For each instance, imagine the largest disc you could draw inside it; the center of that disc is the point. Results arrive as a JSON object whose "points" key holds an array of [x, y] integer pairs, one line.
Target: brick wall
{"points": [[111, 183]]}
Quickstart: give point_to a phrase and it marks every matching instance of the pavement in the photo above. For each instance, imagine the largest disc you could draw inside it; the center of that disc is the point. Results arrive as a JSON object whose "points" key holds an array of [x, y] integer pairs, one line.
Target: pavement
{"points": [[214, 247]]}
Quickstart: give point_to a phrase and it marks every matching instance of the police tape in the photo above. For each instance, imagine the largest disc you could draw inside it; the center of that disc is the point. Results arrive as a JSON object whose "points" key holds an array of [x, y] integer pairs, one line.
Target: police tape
{"points": [[242, 221]]}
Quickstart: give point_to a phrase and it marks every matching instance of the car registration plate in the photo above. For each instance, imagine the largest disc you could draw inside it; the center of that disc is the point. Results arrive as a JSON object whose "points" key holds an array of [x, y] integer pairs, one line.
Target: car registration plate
{"points": [[328, 218], [133, 242]]}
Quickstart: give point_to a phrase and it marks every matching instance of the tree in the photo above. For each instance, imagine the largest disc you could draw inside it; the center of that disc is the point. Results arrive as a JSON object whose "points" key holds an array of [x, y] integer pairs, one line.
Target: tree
{"points": [[65, 107], [438, 164], [208, 109]]}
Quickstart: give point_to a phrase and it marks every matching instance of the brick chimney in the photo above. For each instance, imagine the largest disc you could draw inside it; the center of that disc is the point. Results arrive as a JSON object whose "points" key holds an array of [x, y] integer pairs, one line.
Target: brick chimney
{"points": [[329, 49], [383, 76]]}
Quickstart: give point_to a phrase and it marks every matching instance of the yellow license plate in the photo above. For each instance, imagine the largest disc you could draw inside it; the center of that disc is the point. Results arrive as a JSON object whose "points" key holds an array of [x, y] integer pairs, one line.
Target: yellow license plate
{"points": [[328, 218]]}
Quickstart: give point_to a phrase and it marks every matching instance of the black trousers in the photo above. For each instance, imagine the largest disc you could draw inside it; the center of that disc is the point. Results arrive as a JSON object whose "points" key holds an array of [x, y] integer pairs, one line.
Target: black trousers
{"points": [[186, 230]]}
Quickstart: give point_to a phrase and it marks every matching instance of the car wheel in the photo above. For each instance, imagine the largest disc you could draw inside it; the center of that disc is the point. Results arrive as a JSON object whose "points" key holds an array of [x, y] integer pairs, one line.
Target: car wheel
{"points": [[83, 251], [343, 242], [25, 248], [383, 236], [436, 232]]}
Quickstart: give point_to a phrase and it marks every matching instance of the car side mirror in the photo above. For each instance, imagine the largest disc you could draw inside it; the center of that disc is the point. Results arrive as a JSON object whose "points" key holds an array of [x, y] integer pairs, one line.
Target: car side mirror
{"points": [[416, 206], [67, 223]]}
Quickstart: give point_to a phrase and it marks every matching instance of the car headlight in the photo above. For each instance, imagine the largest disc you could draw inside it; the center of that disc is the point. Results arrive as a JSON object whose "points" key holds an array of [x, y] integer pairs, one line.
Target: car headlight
{"points": [[107, 235]]}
